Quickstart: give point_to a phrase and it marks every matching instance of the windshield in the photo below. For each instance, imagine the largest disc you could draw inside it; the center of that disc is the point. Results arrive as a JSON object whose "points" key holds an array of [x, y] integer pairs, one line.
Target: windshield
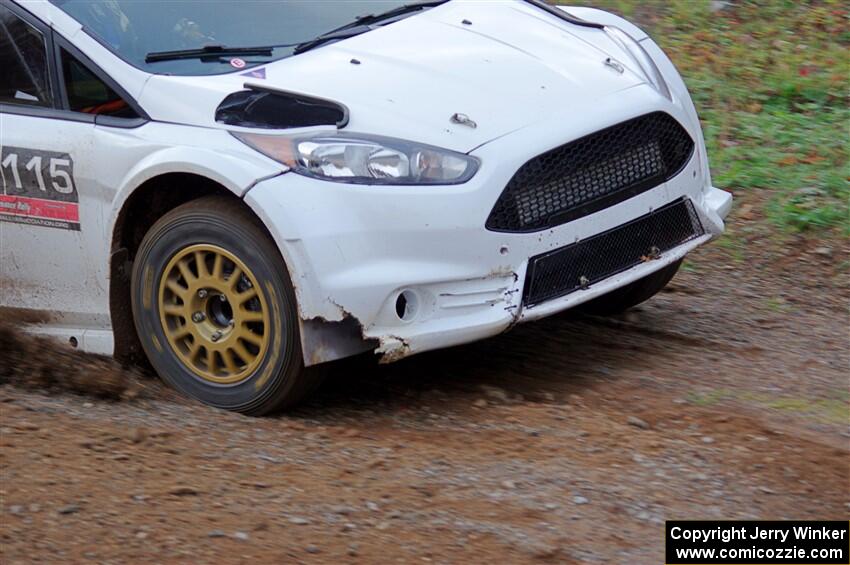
{"points": [[135, 28]]}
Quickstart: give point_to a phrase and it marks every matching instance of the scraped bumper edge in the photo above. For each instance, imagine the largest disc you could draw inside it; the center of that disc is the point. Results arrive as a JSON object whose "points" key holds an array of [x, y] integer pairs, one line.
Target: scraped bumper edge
{"points": [[349, 272], [715, 208], [718, 202]]}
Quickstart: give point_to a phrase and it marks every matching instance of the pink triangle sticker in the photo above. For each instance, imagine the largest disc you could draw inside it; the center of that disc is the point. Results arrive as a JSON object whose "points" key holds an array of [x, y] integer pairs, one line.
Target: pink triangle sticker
{"points": [[255, 73]]}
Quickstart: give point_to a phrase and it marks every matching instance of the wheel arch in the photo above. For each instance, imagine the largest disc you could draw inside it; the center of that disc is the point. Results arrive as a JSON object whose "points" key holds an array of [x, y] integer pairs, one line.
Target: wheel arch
{"points": [[322, 340], [140, 208]]}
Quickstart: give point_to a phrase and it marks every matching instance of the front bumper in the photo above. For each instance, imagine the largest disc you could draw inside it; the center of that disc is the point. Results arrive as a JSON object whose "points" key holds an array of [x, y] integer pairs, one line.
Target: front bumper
{"points": [[353, 250]]}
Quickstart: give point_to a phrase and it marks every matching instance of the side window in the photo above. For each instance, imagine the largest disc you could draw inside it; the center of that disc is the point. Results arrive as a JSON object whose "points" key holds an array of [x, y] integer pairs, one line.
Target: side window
{"points": [[90, 95], [23, 62]]}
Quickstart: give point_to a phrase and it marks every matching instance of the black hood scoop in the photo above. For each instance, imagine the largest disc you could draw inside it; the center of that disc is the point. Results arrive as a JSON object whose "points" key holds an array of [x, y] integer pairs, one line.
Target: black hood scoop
{"points": [[266, 108]]}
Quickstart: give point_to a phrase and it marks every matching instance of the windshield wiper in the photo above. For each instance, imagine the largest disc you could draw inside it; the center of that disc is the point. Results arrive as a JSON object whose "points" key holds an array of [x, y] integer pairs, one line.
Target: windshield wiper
{"points": [[365, 23], [211, 51], [334, 35]]}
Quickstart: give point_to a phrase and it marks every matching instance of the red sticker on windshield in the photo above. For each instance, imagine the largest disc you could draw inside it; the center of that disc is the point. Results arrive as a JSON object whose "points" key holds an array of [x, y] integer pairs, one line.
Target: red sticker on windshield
{"points": [[237, 63]]}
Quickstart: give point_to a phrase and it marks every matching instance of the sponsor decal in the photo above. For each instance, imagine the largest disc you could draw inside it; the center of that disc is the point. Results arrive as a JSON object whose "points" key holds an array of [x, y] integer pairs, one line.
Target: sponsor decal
{"points": [[255, 73], [38, 189]]}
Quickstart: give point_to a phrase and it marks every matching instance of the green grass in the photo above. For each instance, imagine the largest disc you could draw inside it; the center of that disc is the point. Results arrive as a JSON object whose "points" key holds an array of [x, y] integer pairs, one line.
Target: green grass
{"points": [[832, 409], [770, 82]]}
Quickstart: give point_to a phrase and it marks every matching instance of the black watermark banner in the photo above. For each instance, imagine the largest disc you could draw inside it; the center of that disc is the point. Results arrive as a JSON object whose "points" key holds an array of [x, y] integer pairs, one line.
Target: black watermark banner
{"points": [[757, 543]]}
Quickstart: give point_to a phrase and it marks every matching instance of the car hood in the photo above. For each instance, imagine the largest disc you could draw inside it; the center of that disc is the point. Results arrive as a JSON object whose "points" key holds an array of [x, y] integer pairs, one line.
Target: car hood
{"points": [[505, 65]]}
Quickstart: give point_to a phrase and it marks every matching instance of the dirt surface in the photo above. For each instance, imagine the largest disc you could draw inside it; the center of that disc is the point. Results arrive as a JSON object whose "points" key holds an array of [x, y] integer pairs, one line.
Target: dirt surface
{"points": [[37, 363], [570, 440]]}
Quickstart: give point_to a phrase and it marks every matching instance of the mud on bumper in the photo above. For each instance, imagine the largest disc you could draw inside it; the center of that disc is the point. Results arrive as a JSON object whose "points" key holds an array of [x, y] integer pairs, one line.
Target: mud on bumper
{"points": [[405, 269], [397, 276]]}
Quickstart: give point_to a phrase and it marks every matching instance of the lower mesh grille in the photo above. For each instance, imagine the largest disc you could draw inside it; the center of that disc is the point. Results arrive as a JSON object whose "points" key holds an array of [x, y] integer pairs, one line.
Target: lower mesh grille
{"points": [[577, 266]]}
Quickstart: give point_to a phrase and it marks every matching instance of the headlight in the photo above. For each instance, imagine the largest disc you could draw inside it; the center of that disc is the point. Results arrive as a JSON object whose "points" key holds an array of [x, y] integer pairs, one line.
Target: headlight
{"points": [[641, 58], [363, 159]]}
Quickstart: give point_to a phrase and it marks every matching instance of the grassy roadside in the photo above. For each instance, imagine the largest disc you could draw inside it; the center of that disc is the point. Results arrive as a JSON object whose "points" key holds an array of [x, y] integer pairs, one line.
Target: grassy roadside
{"points": [[770, 81]]}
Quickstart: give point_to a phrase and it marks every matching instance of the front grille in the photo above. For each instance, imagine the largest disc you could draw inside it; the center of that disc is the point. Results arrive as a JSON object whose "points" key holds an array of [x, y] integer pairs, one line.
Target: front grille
{"points": [[592, 173], [579, 265]]}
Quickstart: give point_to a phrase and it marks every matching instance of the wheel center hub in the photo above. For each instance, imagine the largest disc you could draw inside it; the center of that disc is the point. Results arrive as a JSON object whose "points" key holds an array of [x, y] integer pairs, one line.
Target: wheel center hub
{"points": [[219, 311]]}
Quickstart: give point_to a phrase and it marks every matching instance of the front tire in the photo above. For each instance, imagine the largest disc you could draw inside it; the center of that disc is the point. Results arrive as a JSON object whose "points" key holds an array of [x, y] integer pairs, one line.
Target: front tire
{"points": [[215, 309]]}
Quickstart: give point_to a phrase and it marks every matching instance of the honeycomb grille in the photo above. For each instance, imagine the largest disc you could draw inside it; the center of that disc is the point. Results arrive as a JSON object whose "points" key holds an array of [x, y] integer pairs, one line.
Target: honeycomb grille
{"points": [[592, 173], [579, 265]]}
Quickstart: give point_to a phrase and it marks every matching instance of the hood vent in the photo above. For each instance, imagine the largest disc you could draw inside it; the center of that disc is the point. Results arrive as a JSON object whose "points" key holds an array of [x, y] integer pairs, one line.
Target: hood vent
{"points": [[266, 108]]}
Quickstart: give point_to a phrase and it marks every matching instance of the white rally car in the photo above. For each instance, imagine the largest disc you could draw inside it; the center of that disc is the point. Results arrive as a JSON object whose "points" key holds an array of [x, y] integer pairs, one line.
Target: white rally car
{"points": [[243, 191]]}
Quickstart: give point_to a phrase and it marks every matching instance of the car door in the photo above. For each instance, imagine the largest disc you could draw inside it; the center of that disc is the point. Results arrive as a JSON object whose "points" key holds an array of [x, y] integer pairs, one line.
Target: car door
{"points": [[54, 244]]}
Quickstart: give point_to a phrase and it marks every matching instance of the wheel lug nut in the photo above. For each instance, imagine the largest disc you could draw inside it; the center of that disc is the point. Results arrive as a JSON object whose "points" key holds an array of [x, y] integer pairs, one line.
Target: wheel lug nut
{"points": [[222, 297], [198, 317], [216, 336], [202, 293]]}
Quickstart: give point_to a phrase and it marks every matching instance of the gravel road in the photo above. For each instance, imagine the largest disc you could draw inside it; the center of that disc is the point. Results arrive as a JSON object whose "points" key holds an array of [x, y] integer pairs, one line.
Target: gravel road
{"points": [[569, 441]]}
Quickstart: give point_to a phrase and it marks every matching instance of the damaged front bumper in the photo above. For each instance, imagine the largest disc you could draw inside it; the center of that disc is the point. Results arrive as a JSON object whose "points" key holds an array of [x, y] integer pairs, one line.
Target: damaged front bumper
{"points": [[402, 270], [459, 284]]}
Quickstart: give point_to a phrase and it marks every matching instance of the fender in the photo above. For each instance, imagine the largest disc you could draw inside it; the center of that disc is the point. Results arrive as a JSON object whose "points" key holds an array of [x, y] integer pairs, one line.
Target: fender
{"points": [[674, 80], [233, 168], [605, 18], [680, 92]]}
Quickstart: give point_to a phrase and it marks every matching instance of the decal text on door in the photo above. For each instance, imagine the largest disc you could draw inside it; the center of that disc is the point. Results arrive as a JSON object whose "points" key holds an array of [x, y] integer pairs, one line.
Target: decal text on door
{"points": [[38, 188]]}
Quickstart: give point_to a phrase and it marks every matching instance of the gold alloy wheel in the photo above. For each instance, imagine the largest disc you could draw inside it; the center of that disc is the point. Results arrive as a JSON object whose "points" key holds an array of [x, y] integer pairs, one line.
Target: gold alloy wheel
{"points": [[214, 314]]}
